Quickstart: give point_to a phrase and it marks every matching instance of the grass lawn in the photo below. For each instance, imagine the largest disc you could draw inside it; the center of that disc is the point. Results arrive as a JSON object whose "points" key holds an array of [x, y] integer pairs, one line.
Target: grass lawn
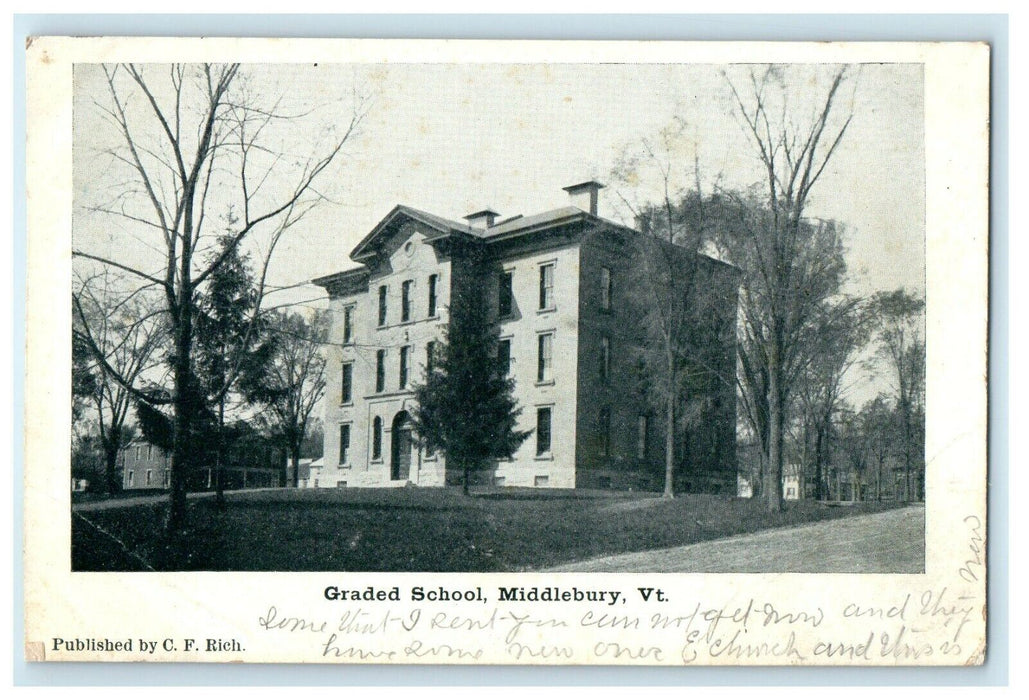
{"points": [[414, 529]]}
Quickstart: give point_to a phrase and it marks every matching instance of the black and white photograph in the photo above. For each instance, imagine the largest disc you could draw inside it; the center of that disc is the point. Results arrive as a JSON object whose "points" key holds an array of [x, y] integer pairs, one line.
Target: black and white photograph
{"points": [[691, 338], [538, 318]]}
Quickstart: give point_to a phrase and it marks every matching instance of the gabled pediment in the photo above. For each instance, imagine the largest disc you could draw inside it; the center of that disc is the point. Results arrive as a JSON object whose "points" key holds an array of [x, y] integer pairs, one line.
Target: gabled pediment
{"points": [[436, 228]]}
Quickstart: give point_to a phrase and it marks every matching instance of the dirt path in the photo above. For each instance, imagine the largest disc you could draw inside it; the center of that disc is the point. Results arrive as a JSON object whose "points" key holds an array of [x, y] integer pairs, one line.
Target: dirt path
{"points": [[888, 542]]}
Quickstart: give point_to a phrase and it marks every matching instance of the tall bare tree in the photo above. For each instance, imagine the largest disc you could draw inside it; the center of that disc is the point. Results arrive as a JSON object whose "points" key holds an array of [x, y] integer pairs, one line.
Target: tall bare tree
{"points": [[791, 265], [293, 382], [191, 138], [658, 182], [880, 430], [833, 351], [898, 318], [116, 335]]}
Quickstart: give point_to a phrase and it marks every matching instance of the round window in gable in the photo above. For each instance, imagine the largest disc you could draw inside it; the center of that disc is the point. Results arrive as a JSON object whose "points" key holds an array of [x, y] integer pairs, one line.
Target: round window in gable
{"points": [[408, 248]]}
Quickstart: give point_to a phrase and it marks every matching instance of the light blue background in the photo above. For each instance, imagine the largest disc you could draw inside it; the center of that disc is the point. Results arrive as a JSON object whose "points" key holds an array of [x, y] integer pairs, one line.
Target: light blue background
{"points": [[989, 28]]}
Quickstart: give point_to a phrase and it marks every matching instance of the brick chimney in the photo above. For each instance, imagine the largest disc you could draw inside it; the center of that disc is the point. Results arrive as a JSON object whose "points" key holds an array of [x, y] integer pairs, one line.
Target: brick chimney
{"points": [[482, 219], [584, 195]]}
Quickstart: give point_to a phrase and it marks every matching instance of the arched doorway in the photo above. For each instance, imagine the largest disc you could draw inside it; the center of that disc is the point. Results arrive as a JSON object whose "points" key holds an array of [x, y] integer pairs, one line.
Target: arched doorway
{"points": [[400, 448]]}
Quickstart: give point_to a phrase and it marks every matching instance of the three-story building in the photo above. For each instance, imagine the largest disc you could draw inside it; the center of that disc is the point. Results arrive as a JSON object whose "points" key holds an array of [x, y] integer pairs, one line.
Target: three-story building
{"points": [[564, 289]]}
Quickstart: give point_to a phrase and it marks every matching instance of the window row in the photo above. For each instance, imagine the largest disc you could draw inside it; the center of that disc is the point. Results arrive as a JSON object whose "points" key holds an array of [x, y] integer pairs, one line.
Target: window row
{"points": [[406, 287], [544, 356], [505, 298], [543, 432], [403, 376], [344, 442], [130, 479], [544, 365], [505, 294], [543, 436]]}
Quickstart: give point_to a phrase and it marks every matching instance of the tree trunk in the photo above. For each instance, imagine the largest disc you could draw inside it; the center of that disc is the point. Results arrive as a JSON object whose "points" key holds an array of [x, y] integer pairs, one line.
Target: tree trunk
{"points": [[467, 477], [670, 431], [183, 403], [819, 469], [180, 436], [758, 483], [111, 467], [905, 406], [773, 480], [219, 497], [295, 457]]}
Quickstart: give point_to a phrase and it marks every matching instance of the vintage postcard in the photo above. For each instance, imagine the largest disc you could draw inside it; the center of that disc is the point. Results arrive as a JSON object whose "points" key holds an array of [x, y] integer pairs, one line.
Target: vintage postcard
{"points": [[468, 352]]}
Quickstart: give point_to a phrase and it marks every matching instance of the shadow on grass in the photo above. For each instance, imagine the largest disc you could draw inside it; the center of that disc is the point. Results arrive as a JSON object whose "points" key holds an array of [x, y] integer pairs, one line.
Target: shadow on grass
{"points": [[533, 497], [334, 506]]}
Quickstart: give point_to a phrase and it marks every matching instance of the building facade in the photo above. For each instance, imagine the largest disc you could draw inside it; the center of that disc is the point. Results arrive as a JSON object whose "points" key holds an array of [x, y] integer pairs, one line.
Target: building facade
{"points": [[571, 322], [146, 466]]}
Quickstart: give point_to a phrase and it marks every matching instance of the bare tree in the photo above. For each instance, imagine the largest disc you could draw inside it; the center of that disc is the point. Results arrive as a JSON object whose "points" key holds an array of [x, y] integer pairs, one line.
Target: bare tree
{"points": [[658, 182], [898, 318], [833, 351], [190, 138], [791, 265], [117, 335], [294, 381], [880, 430]]}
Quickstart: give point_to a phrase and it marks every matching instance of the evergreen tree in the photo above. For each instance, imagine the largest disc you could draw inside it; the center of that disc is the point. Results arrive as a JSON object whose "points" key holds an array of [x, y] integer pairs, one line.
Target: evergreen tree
{"points": [[226, 335], [465, 407]]}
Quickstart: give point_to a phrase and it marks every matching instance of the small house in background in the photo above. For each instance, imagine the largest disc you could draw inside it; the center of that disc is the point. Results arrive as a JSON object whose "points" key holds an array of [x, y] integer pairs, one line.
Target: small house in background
{"points": [[795, 485], [792, 482], [146, 466], [317, 478]]}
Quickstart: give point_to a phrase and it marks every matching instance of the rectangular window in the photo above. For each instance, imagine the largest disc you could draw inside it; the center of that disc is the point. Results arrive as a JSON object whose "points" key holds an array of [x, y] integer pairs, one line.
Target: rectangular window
{"points": [[546, 343], [404, 352], [380, 371], [605, 431], [430, 357], [504, 356], [348, 325], [641, 437], [382, 305], [605, 288], [149, 476], [605, 358], [547, 286], [344, 444], [132, 476], [505, 300], [347, 383], [376, 438], [543, 430], [167, 479], [541, 480], [137, 452], [405, 301], [433, 279]]}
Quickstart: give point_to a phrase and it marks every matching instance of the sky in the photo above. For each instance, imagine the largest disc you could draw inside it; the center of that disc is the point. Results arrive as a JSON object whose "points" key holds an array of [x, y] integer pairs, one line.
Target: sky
{"points": [[456, 138]]}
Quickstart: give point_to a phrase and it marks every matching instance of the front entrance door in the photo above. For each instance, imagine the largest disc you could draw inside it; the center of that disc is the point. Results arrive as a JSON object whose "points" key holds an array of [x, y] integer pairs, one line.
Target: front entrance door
{"points": [[401, 452]]}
